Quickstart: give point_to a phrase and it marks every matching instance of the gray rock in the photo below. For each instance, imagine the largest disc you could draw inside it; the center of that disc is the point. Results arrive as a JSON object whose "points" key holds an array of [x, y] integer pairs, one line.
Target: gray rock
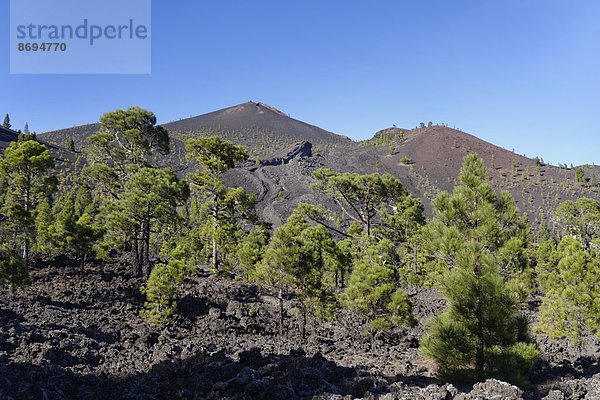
{"points": [[493, 389], [555, 395], [593, 388], [283, 156]]}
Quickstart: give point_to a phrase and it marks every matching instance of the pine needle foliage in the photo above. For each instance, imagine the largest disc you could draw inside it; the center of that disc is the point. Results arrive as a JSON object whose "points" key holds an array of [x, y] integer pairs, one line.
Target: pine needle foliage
{"points": [[478, 240], [571, 303], [161, 288]]}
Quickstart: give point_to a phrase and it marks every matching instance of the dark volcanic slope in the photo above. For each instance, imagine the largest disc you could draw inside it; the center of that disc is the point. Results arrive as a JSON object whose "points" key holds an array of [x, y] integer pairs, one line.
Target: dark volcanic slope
{"points": [[280, 172], [63, 158], [255, 118], [79, 134], [259, 127], [7, 136], [438, 153]]}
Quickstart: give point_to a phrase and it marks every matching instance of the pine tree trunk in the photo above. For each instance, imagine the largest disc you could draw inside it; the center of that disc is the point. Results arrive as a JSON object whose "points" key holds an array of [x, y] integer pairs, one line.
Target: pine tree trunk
{"points": [[145, 251], [135, 259], [479, 361], [215, 263], [26, 244], [416, 259], [303, 327], [26, 249], [280, 319], [336, 278], [280, 313], [479, 358]]}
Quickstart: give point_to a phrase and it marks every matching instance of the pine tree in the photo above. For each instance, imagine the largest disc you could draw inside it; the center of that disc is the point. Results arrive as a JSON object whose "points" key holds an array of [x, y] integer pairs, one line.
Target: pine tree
{"points": [[251, 249], [580, 219], [149, 200], [84, 201], [6, 123], [372, 288], [571, 293], [295, 259], [13, 271], [363, 198], [71, 145], [64, 225], [45, 228], [579, 175], [75, 231], [128, 140], [86, 233], [476, 237], [475, 213], [161, 288], [223, 207], [27, 166]]}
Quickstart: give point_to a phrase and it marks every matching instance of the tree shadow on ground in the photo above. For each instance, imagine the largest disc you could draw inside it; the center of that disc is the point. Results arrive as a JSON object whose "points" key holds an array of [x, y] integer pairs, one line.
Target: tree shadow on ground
{"points": [[215, 375], [549, 376]]}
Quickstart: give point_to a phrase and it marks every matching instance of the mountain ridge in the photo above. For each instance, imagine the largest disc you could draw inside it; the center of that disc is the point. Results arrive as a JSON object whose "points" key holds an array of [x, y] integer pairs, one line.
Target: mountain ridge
{"points": [[284, 152]]}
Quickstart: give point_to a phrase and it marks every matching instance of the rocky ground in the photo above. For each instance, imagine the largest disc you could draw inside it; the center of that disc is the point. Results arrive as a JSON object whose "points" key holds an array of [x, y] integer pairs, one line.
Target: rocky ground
{"points": [[77, 334]]}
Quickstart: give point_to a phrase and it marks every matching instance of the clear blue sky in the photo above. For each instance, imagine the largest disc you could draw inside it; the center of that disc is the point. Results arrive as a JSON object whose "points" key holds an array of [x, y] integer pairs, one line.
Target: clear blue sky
{"points": [[521, 74]]}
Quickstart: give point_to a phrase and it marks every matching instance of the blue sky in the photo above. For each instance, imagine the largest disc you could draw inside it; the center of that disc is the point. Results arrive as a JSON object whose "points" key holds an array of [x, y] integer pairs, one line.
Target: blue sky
{"points": [[520, 74]]}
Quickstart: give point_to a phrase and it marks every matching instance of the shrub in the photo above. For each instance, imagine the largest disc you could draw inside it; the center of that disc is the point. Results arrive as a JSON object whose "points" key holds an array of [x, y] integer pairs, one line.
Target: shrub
{"points": [[160, 290], [13, 271]]}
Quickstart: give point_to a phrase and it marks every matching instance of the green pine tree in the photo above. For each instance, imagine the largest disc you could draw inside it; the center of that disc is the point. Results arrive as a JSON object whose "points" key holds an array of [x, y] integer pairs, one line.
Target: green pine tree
{"points": [[372, 289], [6, 123], [363, 198], [71, 145], [44, 223], [160, 290], [581, 219], [147, 205], [13, 271], [296, 259], [222, 207], [250, 250], [124, 148], [478, 242], [580, 175], [571, 288], [27, 166]]}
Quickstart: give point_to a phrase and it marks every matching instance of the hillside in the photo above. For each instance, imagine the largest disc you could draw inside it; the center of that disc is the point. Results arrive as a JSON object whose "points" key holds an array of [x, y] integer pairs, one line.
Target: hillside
{"points": [[436, 153], [257, 126], [261, 128], [63, 158], [7, 136], [537, 187]]}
